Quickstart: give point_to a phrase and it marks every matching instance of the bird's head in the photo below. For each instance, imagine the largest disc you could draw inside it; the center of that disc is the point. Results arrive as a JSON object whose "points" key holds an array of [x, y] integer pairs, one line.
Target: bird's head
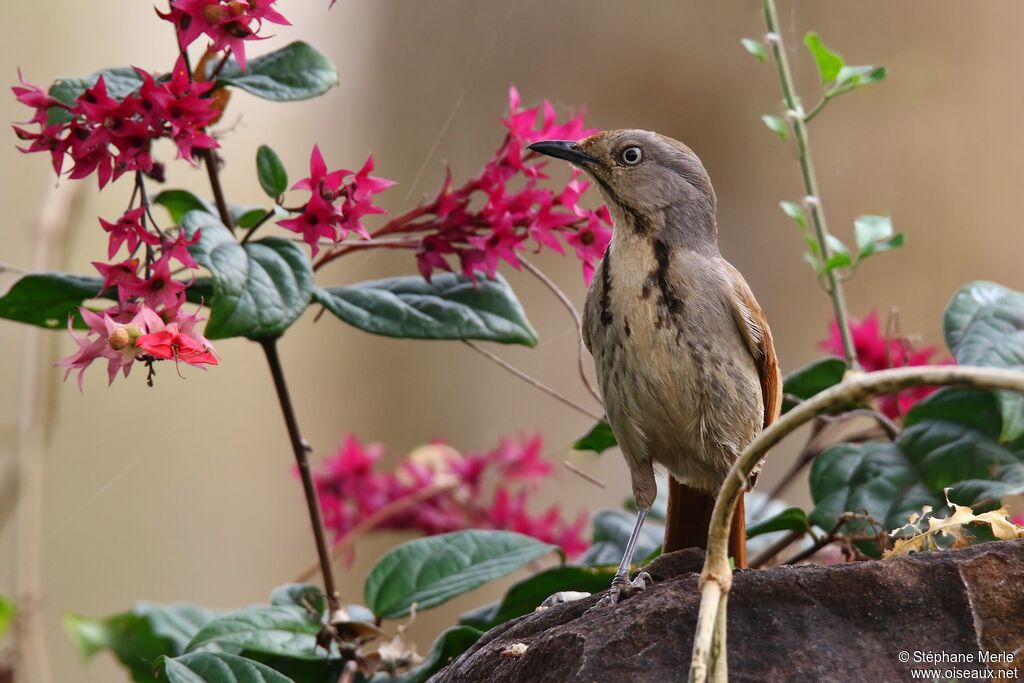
{"points": [[654, 183]]}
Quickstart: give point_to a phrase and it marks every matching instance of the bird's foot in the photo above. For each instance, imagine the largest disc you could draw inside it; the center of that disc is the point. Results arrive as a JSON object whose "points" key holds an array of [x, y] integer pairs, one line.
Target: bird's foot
{"points": [[623, 589]]}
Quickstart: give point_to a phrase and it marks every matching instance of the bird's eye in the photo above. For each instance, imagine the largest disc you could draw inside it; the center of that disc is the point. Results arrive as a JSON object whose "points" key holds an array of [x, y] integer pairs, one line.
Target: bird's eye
{"points": [[631, 156]]}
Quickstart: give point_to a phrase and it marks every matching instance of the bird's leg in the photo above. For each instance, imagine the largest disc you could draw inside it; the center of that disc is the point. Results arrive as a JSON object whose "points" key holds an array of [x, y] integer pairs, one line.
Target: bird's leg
{"points": [[622, 587]]}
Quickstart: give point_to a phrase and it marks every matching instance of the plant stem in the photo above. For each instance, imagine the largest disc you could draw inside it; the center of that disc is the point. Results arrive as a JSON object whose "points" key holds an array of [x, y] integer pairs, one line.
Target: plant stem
{"points": [[301, 452], [798, 120], [537, 384], [210, 161], [567, 303], [716, 577], [263, 219]]}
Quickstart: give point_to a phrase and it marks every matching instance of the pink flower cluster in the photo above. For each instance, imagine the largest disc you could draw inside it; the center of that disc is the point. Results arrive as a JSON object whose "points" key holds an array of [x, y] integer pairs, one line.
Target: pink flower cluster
{"points": [[338, 201], [877, 351], [446, 490], [227, 23], [480, 238], [109, 135], [497, 215], [148, 322]]}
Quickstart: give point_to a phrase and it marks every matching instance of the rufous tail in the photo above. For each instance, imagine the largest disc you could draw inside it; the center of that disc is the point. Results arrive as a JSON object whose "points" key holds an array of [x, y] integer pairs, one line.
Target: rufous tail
{"points": [[688, 519]]}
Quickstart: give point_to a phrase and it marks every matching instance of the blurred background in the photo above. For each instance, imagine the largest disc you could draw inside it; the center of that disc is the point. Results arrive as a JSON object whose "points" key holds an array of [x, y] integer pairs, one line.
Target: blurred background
{"points": [[185, 492]]}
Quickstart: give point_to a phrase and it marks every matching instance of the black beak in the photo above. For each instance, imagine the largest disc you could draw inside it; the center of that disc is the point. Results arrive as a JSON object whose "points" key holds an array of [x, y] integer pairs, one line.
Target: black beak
{"points": [[563, 149]]}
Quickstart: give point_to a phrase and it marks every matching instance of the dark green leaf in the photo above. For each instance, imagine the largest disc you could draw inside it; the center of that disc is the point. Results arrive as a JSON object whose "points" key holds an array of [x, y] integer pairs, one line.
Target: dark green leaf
{"points": [[299, 595], [449, 645], [829, 63], [138, 638], [259, 288], [6, 615], [48, 299], [776, 125], [218, 667], [430, 571], [295, 72], [120, 81], [277, 630], [811, 379], [984, 325], [449, 307], [951, 439], [272, 175], [756, 48], [790, 519], [251, 217], [599, 439], [611, 532], [525, 596]]}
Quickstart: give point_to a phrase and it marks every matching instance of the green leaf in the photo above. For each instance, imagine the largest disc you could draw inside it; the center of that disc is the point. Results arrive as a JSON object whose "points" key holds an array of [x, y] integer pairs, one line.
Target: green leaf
{"points": [[218, 667], [874, 235], [139, 637], [180, 202], [776, 125], [951, 439], [430, 571], [6, 615], [796, 212], [790, 519], [525, 596], [449, 307], [984, 325], [811, 379], [275, 630], [611, 532], [449, 645], [251, 217], [259, 288], [598, 439], [295, 72], [120, 81], [756, 48], [48, 299], [299, 595], [272, 175], [829, 63], [859, 76]]}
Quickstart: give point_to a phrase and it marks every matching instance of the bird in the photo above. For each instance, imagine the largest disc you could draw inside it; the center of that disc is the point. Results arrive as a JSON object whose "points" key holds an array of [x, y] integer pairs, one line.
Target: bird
{"points": [[684, 357]]}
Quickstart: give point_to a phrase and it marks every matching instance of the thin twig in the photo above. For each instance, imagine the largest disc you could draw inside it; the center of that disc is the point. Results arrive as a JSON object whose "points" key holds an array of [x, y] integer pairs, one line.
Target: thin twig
{"points": [[256, 226], [716, 577], [537, 384], [589, 477], [567, 303], [368, 524], [299, 449], [17, 270], [774, 549], [798, 121]]}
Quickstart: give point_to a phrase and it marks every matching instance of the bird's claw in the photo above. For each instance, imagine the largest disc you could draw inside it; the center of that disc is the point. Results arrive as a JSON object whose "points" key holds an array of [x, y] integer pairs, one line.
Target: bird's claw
{"points": [[623, 589]]}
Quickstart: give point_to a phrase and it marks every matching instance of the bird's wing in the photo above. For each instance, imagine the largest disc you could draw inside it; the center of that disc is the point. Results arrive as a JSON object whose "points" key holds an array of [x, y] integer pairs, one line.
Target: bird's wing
{"points": [[758, 337]]}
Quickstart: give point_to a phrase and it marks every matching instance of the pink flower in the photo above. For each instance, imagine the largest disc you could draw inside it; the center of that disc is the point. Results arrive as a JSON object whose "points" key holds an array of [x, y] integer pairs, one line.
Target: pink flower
{"points": [[109, 136], [160, 289], [485, 489], [128, 230], [338, 201], [876, 351], [228, 24]]}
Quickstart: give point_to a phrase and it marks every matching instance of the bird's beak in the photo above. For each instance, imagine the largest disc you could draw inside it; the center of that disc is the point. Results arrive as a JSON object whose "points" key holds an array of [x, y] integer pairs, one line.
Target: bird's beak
{"points": [[563, 149]]}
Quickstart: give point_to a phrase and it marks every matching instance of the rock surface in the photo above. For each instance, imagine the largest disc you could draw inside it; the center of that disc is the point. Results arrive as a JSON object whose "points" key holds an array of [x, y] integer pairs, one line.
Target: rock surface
{"points": [[847, 622]]}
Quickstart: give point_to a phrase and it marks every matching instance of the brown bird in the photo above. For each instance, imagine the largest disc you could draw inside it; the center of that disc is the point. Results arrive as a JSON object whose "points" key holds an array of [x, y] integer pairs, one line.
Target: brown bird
{"points": [[684, 356]]}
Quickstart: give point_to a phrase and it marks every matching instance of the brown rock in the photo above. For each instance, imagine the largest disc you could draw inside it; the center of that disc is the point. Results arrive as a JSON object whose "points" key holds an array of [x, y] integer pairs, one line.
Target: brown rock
{"points": [[846, 622]]}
